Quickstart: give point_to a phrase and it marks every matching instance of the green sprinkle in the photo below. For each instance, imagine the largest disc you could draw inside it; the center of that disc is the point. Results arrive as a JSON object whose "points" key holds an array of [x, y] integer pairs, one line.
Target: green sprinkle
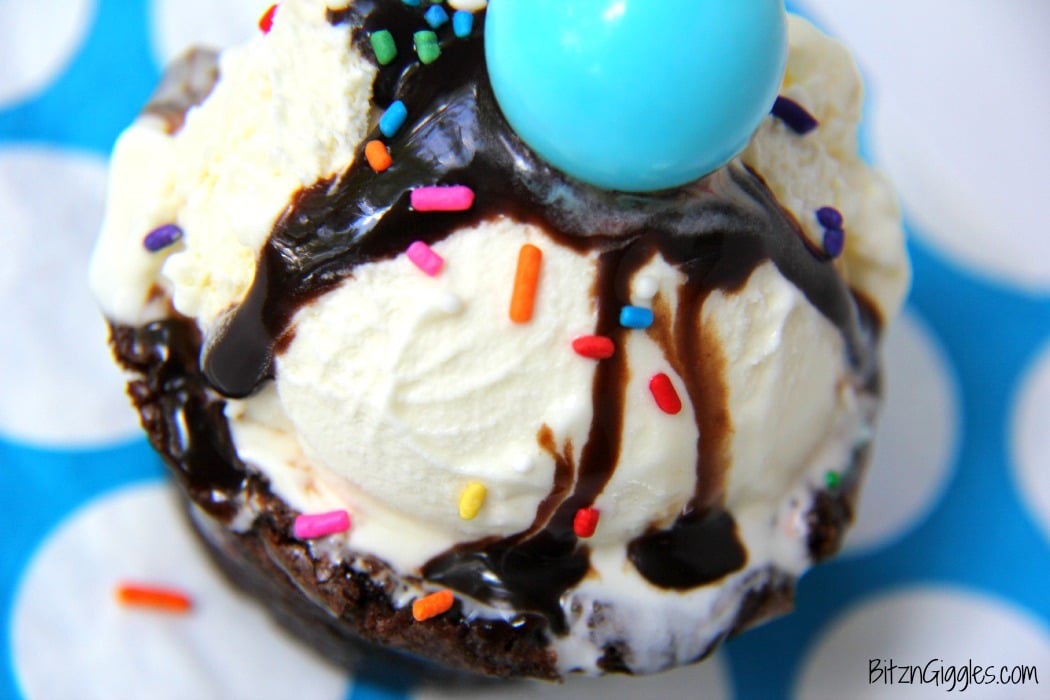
{"points": [[832, 480], [427, 46], [384, 47]]}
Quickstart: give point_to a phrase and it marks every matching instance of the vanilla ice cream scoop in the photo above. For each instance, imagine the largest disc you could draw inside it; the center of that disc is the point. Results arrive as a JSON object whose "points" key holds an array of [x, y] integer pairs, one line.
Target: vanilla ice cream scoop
{"points": [[605, 429]]}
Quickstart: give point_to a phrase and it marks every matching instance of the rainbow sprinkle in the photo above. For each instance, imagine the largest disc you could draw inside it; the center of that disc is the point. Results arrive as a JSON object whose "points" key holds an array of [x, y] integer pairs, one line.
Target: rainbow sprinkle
{"points": [[162, 237], [832, 480], [449, 198], [378, 155], [794, 115], [595, 347], [266, 21], [427, 47], [645, 288], [834, 242], [383, 46], [436, 16], [636, 317], [829, 217], [308, 527], [526, 282], [432, 605], [462, 24], [834, 235], [393, 119], [153, 597], [471, 500], [424, 257], [663, 391], [585, 522]]}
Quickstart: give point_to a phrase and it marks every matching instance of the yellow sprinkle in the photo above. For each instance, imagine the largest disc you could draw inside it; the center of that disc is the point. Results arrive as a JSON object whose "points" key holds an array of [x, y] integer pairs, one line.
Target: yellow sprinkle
{"points": [[471, 500]]}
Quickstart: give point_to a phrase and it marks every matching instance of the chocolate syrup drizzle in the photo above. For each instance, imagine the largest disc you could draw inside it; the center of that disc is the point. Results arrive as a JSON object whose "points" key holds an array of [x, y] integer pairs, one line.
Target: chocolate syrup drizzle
{"points": [[716, 231], [185, 423]]}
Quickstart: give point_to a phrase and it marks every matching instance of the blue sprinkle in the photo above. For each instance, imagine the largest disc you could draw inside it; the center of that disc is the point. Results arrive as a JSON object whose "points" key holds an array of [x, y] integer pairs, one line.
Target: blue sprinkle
{"points": [[393, 119], [462, 23], [834, 242], [829, 217], [411, 3], [162, 237], [794, 115], [436, 16], [636, 317]]}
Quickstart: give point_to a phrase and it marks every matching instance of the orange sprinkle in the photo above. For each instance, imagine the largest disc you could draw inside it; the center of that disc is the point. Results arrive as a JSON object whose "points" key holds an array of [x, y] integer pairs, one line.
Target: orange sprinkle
{"points": [[378, 156], [162, 599], [525, 281], [432, 605]]}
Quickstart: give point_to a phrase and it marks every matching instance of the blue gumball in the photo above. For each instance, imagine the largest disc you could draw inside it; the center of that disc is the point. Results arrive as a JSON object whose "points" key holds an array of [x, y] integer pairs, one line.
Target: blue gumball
{"points": [[636, 95]]}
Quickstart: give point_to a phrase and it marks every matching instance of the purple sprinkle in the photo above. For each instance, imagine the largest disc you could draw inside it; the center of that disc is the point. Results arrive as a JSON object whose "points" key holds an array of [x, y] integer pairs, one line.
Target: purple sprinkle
{"points": [[794, 115], [829, 217], [162, 237], [834, 242]]}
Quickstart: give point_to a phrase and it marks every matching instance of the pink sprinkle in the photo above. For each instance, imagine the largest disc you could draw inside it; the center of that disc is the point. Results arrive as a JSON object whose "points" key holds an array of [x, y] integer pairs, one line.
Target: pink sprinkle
{"points": [[311, 526], [451, 198], [425, 258]]}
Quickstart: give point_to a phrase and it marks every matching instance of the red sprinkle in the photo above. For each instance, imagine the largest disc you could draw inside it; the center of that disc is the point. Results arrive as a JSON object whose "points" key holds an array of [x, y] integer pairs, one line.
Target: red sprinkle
{"points": [[161, 599], [597, 347], [266, 21], [664, 393], [585, 522]]}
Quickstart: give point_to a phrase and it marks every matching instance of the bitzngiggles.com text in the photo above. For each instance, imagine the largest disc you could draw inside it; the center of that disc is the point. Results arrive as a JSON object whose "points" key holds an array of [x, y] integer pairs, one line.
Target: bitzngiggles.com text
{"points": [[950, 677]]}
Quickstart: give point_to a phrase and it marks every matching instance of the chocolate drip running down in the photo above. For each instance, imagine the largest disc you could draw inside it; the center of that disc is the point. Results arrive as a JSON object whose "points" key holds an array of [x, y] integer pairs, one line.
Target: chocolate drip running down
{"points": [[184, 422], [716, 231]]}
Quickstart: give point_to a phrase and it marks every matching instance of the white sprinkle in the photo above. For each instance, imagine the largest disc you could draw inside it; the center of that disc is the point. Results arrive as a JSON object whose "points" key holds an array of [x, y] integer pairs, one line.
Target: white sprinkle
{"points": [[448, 303], [645, 288]]}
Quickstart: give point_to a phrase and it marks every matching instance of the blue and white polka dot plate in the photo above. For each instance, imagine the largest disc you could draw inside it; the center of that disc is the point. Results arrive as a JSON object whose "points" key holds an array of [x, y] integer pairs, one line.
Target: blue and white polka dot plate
{"points": [[948, 567]]}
